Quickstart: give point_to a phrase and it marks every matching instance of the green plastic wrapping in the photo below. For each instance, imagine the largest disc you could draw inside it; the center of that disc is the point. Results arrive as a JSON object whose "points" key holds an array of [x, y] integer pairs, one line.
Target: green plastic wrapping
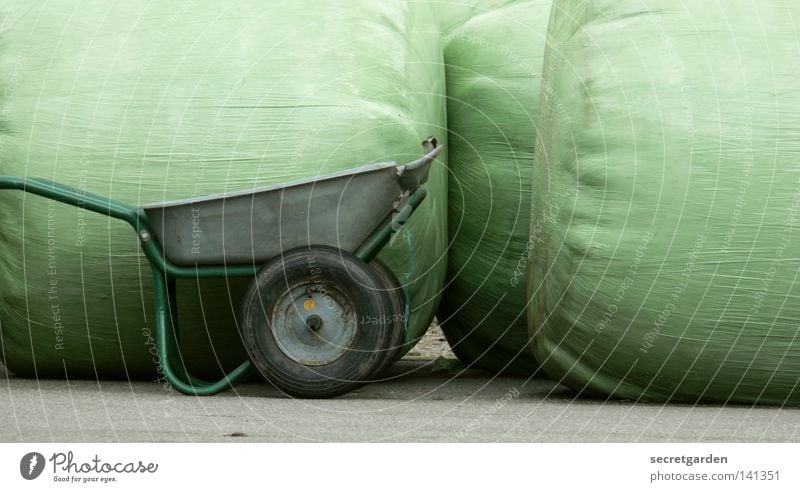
{"points": [[150, 101], [667, 189], [452, 14], [493, 63]]}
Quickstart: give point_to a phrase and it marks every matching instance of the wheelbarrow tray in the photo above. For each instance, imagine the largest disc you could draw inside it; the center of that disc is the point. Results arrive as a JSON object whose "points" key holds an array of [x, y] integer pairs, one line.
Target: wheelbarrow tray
{"points": [[340, 209]]}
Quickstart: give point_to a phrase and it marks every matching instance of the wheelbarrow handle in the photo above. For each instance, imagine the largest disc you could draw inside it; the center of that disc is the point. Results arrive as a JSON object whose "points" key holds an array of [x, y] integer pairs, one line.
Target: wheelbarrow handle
{"points": [[73, 196]]}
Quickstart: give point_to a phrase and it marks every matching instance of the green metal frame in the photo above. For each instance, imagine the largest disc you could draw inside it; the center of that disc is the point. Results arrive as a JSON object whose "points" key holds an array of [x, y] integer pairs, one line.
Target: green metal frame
{"points": [[165, 273]]}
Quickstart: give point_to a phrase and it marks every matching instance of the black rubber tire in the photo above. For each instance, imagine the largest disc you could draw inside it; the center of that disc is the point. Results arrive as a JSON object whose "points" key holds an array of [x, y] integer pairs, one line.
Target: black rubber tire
{"points": [[342, 275], [396, 315]]}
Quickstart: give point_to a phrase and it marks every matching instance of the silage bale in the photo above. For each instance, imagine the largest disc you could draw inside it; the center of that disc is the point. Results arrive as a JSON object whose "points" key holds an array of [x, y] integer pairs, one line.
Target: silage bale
{"points": [[493, 56], [144, 102], [669, 159]]}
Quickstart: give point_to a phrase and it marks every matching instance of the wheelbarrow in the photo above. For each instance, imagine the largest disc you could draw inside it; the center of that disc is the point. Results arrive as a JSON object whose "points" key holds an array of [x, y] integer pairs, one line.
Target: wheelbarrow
{"points": [[322, 315]]}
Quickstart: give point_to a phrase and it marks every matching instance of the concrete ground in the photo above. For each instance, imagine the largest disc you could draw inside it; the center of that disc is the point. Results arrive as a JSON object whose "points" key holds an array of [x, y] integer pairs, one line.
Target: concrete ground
{"points": [[417, 403]]}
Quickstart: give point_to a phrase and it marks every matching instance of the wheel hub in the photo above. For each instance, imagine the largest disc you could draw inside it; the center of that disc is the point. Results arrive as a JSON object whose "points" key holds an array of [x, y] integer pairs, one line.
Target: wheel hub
{"points": [[314, 324]]}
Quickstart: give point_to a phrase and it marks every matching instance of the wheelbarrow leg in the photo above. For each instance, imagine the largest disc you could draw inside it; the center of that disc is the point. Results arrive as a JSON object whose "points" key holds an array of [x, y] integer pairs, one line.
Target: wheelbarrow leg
{"points": [[174, 340], [173, 337], [166, 340]]}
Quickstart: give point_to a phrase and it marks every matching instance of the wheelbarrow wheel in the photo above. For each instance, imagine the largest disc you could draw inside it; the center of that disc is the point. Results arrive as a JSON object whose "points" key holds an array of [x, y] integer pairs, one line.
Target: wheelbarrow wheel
{"points": [[396, 317], [310, 322]]}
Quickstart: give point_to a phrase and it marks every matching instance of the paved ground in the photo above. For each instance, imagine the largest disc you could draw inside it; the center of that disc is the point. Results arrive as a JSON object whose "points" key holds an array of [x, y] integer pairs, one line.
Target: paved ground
{"points": [[415, 405]]}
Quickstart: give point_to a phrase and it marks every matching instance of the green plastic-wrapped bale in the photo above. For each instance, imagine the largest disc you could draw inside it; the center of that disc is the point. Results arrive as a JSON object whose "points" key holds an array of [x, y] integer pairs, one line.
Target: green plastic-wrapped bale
{"points": [[667, 190], [493, 58], [144, 102]]}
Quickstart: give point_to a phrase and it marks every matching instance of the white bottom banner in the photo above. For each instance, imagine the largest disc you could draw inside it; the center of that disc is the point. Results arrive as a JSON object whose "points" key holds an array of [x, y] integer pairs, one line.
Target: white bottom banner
{"points": [[399, 467]]}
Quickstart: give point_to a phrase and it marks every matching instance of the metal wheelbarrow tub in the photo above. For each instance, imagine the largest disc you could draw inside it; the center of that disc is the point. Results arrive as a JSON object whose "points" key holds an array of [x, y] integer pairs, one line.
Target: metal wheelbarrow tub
{"points": [[341, 209], [322, 315]]}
